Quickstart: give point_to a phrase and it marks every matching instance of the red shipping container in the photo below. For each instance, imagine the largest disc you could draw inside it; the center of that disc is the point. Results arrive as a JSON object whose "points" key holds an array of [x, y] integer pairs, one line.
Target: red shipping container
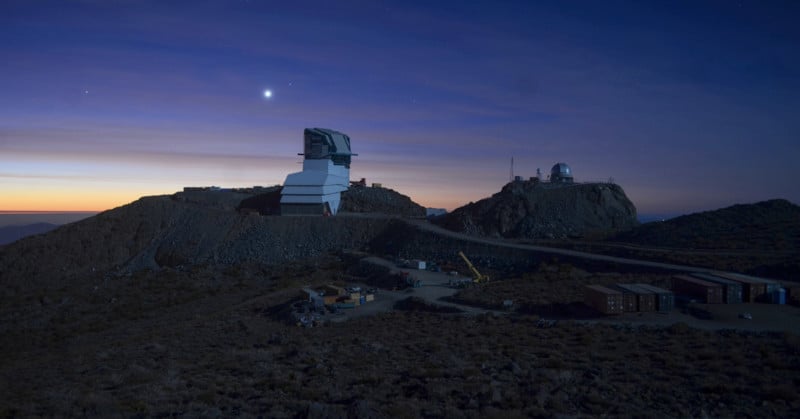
{"points": [[709, 292], [604, 300]]}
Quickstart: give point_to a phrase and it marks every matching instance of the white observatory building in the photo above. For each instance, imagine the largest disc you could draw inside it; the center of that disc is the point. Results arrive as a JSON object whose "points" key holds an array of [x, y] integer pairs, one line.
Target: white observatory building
{"points": [[326, 174], [561, 173]]}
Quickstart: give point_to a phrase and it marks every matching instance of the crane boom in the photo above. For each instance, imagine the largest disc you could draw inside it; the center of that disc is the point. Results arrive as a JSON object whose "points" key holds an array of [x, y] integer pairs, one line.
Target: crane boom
{"points": [[477, 277]]}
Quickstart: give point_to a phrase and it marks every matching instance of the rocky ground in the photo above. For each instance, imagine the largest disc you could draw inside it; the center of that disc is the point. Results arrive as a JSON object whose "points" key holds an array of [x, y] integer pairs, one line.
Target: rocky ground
{"points": [[204, 343], [357, 199], [170, 306], [761, 239], [534, 210], [364, 199]]}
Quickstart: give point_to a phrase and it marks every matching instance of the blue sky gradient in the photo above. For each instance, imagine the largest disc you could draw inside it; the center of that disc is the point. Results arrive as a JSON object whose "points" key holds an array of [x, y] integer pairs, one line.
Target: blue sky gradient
{"points": [[689, 105]]}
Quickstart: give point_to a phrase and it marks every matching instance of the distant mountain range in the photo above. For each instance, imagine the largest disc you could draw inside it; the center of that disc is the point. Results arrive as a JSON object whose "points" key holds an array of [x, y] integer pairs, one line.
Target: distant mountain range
{"points": [[10, 234]]}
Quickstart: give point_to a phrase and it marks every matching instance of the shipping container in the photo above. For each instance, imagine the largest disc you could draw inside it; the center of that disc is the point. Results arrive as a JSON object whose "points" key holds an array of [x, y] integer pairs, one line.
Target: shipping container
{"points": [[779, 296], [418, 264], [330, 299], [769, 286], [708, 292], [731, 290], [645, 299], [363, 299], [370, 297], [629, 299], [602, 299], [752, 290], [345, 305], [793, 294], [665, 299]]}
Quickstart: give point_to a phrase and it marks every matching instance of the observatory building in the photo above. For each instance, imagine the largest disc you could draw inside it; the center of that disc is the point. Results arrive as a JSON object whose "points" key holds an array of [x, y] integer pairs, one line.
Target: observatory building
{"points": [[326, 174], [561, 173]]}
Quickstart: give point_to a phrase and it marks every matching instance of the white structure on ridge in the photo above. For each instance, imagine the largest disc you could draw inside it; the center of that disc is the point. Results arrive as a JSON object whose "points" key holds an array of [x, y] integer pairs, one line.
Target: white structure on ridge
{"points": [[326, 174]]}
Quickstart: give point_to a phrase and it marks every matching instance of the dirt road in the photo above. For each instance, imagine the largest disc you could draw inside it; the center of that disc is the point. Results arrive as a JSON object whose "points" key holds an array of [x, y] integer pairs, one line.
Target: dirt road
{"points": [[426, 226]]}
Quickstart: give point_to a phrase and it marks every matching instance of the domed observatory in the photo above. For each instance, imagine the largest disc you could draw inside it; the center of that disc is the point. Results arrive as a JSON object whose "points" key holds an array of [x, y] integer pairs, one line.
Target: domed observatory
{"points": [[561, 173], [326, 174]]}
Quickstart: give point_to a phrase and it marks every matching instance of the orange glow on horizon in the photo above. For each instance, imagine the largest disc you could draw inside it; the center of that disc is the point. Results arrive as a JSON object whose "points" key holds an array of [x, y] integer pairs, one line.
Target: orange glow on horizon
{"points": [[92, 199]]}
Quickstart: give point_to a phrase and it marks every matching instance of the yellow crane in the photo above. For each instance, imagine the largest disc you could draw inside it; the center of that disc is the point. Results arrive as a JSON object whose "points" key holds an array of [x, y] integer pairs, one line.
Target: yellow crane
{"points": [[477, 277]]}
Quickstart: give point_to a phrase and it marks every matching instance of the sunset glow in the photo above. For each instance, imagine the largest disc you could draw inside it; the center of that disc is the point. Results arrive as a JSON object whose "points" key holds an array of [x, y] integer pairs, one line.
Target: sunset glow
{"points": [[688, 107]]}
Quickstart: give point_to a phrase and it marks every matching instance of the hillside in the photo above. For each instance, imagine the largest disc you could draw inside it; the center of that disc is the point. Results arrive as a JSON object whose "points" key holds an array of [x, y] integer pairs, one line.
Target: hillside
{"points": [[174, 231], [86, 329], [534, 210], [767, 225], [354, 200], [380, 200], [761, 239], [10, 234]]}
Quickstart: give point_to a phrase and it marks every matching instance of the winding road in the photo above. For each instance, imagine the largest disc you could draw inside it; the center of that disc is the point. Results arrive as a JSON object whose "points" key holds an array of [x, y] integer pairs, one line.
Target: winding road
{"points": [[426, 226]]}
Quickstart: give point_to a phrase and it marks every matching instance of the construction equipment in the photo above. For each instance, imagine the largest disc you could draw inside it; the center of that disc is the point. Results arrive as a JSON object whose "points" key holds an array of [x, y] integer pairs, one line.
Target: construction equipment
{"points": [[477, 277]]}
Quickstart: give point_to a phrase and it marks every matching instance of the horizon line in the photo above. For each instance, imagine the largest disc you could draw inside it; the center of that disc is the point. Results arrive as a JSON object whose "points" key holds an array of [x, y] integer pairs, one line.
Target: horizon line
{"points": [[22, 212]]}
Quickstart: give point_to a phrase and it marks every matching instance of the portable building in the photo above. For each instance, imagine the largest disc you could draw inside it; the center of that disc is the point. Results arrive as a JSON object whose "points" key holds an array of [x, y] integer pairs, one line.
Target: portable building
{"points": [[645, 299], [604, 300], [709, 292], [731, 290], [665, 299]]}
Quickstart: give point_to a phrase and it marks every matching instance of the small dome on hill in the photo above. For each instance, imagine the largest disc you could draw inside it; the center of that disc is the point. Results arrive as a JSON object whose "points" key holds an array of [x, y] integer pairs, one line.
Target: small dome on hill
{"points": [[561, 172]]}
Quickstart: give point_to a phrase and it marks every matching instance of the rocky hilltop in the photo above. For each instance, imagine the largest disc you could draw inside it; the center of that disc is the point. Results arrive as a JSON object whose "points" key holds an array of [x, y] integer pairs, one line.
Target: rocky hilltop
{"points": [[357, 199], [534, 210], [190, 229], [381, 200]]}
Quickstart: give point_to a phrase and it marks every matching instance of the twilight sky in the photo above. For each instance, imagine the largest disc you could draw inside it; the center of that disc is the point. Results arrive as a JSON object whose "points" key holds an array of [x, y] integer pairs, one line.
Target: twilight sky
{"points": [[689, 105]]}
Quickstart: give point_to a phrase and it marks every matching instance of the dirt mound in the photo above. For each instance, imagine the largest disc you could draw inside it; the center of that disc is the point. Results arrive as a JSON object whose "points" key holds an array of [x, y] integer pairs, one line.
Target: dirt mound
{"points": [[540, 210], [381, 200], [767, 225]]}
